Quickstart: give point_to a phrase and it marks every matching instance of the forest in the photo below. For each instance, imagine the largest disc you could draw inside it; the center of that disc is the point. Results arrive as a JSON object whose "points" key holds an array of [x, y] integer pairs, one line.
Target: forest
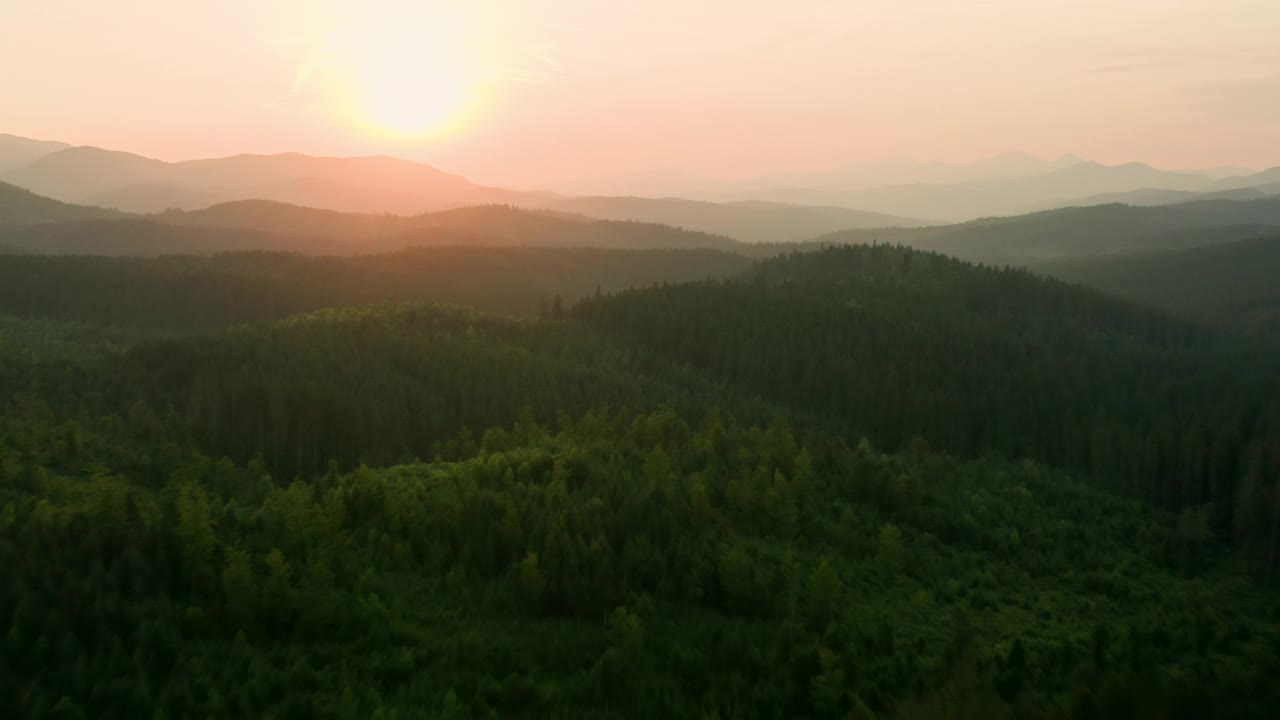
{"points": [[574, 360], [865, 481]]}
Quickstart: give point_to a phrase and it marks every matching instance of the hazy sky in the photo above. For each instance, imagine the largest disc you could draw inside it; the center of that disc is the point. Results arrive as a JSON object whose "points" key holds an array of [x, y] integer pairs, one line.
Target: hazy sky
{"points": [[542, 92]]}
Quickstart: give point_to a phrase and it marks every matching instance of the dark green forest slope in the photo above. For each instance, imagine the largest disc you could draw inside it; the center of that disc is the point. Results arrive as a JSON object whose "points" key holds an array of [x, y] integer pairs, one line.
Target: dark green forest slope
{"points": [[1234, 284], [1080, 231], [868, 482], [899, 344], [198, 292]]}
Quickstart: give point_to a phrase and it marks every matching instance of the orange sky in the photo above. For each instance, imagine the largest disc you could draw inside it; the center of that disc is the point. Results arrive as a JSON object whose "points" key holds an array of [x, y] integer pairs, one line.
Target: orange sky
{"points": [[552, 93]]}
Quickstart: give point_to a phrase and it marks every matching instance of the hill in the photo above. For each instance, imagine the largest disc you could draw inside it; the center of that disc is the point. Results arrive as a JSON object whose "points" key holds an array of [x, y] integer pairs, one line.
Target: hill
{"points": [[265, 225], [22, 207], [1234, 284], [751, 222], [1151, 197], [77, 174], [490, 224], [183, 293], [132, 236], [898, 344], [513, 226], [359, 184], [16, 152], [1078, 231], [560, 556], [278, 217], [1270, 176]]}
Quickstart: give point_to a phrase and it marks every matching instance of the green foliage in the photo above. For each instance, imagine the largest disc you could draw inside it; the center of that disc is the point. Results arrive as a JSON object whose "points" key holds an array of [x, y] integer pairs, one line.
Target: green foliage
{"points": [[416, 511], [900, 345], [581, 589], [1232, 284]]}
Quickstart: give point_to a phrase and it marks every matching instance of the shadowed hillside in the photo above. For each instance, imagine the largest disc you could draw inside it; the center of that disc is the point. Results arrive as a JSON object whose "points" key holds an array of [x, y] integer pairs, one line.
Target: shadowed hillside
{"points": [[192, 292], [145, 237], [900, 344], [1233, 284], [23, 207], [1077, 231], [265, 225], [505, 224]]}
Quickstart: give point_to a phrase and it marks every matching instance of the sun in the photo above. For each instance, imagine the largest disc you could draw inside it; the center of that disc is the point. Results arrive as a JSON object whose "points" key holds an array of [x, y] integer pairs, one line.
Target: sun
{"points": [[411, 90], [409, 77]]}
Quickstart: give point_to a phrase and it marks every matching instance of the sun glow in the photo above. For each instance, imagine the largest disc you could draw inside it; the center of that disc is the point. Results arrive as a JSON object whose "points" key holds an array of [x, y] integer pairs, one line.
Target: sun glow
{"points": [[411, 89], [413, 74]]}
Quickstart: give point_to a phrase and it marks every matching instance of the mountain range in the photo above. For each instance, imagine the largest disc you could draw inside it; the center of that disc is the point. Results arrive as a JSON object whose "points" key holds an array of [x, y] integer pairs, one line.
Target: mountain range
{"points": [[33, 224], [22, 207], [892, 193], [999, 196], [30, 223], [17, 152], [133, 183], [905, 171], [1008, 184], [748, 221]]}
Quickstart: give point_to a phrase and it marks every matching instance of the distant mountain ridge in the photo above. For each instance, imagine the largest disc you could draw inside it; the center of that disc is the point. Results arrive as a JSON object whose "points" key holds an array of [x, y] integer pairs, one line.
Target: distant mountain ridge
{"points": [[1081, 231], [23, 207], [1016, 188], [16, 152], [744, 220], [1151, 197], [1268, 177], [267, 225], [380, 185], [890, 194], [903, 171], [1004, 196], [376, 184]]}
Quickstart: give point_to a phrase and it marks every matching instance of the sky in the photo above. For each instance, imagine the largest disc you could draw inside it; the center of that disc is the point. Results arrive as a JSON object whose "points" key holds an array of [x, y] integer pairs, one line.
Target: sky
{"points": [[553, 93]]}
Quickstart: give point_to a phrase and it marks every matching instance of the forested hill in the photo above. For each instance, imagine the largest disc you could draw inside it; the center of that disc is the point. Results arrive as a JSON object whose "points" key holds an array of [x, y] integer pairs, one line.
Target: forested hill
{"points": [[1077, 231], [496, 224], [332, 385], [1235, 284], [573, 530], [899, 344], [524, 227], [22, 207], [183, 293], [140, 237], [259, 225]]}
